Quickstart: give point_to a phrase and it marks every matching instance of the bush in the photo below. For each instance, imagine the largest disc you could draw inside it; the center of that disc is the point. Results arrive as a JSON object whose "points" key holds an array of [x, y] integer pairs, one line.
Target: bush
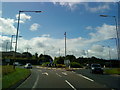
{"points": [[75, 65], [7, 69], [61, 66], [45, 64]]}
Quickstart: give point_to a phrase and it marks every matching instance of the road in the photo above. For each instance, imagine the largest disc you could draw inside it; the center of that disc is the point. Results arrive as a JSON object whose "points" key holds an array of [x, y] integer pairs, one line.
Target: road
{"points": [[111, 81], [59, 78]]}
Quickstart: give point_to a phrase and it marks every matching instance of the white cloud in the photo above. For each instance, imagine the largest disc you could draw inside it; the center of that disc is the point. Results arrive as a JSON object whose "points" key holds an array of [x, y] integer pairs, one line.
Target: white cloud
{"points": [[102, 8], [72, 5], [23, 17], [0, 13], [34, 27], [7, 26], [104, 32], [45, 35], [89, 28], [52, 45]]}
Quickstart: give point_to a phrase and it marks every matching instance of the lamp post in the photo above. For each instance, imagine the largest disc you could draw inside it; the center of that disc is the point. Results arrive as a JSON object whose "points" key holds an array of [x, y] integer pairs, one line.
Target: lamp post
{"points": [[6, 45], [65, 43], [18, 27], [109, 54], [117, 35], [12, 42]]}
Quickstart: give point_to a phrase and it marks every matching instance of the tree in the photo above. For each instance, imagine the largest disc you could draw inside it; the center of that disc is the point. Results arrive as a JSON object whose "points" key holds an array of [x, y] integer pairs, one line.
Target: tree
{"points": [[36, 55], [59, 60], [26, 55], [45, 58], [72, 58]]}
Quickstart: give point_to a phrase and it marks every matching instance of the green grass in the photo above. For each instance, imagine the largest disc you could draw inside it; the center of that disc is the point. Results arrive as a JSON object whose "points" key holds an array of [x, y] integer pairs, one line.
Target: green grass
{"points": [[112, 71], [7, 69], [12, 78]]}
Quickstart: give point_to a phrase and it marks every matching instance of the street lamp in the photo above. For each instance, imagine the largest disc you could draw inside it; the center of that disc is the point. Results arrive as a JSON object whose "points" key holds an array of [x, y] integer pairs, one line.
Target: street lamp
{"points": [[18, 27], [115, 41], [65, 43], [109, 54], [117, 34], [6, 45], [12, 42]]}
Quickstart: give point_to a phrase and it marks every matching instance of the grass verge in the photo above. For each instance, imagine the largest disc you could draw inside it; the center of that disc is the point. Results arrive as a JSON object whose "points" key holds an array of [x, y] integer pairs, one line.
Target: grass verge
{"points": [[14, 77], [112, 71]]}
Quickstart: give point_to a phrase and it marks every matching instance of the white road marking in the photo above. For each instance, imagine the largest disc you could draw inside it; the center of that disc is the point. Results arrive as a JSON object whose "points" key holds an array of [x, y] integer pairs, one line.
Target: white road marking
{"points": [[70, 84], [73, 71], [36, 82], [40, 70], [45, 73], [38, 67], [58, 75], [64, 73], [86, 77]]}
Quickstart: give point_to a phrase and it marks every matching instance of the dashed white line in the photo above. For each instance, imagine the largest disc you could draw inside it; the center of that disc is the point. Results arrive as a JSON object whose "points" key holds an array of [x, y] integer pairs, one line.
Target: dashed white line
{"points": [[70, 84], [64, 73], [58, 75], [86, 77], [36, 82]]}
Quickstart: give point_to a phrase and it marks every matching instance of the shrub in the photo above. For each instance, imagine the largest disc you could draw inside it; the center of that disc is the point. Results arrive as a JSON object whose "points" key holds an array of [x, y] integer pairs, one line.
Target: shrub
{"points": [[45, 64], [75, 65], [7, 69], [61, 66]]}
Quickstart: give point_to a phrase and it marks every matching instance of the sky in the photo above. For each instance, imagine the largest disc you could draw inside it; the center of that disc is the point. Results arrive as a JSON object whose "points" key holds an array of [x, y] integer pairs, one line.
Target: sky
{"points": [[43, 32]]}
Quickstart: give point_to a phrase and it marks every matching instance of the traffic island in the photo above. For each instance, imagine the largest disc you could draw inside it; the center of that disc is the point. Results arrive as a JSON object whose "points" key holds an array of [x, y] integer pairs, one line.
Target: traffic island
{"points": [[112, 71]]}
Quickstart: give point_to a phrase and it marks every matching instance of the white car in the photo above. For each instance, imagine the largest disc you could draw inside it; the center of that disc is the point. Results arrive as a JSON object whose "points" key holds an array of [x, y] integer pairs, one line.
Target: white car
{"points": [[28, 66]]}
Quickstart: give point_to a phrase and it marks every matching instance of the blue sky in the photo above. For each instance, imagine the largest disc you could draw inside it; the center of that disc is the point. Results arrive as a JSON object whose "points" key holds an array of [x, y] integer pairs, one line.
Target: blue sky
{"points": [[79, 20]]}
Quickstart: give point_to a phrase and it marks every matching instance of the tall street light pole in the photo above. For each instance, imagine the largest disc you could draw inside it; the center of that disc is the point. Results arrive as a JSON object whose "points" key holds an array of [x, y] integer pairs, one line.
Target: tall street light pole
{"points": [[117, 35], [11, 42], [18, 27], [115, 41], [65, 43], [6, 45]]}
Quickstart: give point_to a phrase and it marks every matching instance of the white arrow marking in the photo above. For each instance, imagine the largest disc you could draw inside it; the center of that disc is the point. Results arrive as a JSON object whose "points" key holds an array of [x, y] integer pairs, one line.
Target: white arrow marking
{"points": [[45, 73]]}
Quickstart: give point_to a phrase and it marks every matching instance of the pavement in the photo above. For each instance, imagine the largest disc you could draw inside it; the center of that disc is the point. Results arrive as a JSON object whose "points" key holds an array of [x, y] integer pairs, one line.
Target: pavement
{"points": [[61, 79]]}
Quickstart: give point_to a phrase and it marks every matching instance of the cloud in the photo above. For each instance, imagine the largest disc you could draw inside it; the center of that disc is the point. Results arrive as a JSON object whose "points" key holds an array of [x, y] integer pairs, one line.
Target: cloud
{"points": [[70, 5], [100, 7], [89, 28], [0, 13], [73, 5], [23, 17], [34, 27], [7, 26], [45, 35], [52, 45], [104, 32]]}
